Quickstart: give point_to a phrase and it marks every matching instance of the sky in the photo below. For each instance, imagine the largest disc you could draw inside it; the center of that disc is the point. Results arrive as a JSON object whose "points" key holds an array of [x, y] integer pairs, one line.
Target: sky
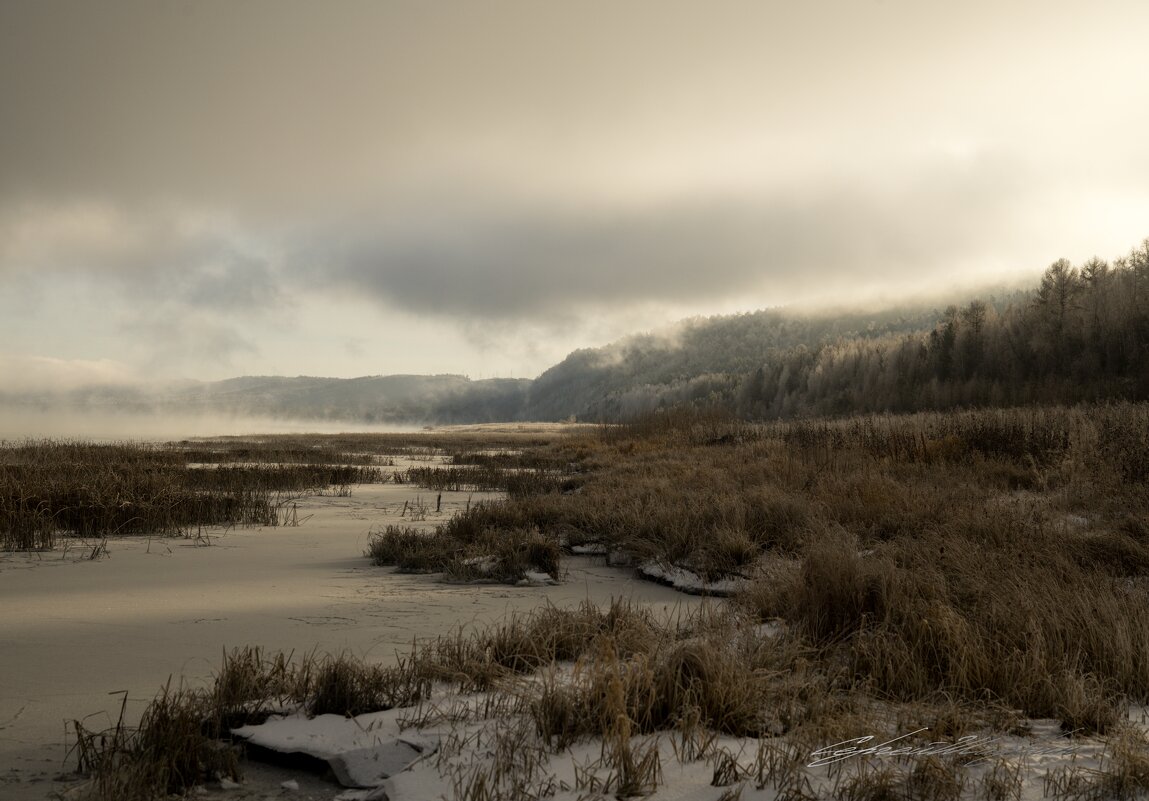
{"points": [[253, 187]]}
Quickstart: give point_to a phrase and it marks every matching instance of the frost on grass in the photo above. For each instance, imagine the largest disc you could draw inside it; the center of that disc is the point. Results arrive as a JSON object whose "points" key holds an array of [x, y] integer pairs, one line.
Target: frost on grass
{"points": [[608, 702]]}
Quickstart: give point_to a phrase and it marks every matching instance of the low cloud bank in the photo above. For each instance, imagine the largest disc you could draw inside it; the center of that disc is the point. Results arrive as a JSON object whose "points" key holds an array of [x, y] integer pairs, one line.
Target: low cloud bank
{"points": [[18, 423]]}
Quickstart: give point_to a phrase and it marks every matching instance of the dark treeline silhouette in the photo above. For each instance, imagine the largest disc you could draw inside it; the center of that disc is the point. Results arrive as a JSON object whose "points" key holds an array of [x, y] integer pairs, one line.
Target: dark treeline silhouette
{"points": [[1081, 335]]}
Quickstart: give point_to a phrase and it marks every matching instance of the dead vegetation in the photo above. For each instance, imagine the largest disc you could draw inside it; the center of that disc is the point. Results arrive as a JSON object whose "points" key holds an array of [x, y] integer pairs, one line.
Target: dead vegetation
{"points": [[500, 555], [997, 554], [956, 573], [510, 698], [566, 676], [51, 490]]}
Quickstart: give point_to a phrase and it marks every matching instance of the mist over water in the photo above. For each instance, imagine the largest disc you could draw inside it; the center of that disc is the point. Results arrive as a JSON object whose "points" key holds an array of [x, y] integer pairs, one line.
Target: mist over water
{"points": [[104, 425]]}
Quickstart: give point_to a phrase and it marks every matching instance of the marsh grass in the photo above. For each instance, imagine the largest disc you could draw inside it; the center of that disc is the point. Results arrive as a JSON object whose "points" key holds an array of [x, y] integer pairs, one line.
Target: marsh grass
{"points": [[540, 683], [166, 753], [1123, 773], [411, 550], [625, 661], [992, 556], [280, 477], [515, 481], [39, 503], [1003, 781], [506, 557], [499, 555], [345, 686], [51, 489], [992, 560], [968, 570]]}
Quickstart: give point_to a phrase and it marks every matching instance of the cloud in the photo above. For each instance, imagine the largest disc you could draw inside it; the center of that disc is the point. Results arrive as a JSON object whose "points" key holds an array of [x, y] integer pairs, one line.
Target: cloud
{"points": [[282, 105], [518, 173], [34, 374], [158, 256], [219, 277], [543, 262], [160, 341]]}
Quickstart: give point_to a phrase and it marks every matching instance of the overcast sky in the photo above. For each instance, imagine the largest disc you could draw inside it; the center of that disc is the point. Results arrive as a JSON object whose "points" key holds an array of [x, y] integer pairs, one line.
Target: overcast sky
{"points": [[208, 189]]}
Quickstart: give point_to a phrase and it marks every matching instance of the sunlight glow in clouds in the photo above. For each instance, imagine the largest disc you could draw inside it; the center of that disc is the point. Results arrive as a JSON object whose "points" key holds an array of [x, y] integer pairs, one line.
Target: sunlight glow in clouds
{"points": [[214, 189]]}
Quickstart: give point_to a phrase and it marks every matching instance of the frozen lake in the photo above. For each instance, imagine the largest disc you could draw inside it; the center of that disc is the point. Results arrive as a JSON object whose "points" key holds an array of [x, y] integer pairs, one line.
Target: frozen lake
{"points": [[76, 631]]}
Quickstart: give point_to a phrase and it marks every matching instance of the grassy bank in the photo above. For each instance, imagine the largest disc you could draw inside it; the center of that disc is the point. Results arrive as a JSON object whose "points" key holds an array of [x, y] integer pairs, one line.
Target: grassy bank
{"points": [[962, 573], [998, 555]]}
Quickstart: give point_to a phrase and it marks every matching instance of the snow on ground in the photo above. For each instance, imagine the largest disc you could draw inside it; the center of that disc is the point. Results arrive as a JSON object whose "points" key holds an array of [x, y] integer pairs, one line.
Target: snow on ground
{"points": [[75, 630], [690, 582], [440, 761]]}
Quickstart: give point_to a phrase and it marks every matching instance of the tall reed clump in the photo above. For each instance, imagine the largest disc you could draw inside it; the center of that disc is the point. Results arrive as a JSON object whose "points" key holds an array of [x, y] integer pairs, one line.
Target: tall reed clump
{"points": [[487, 478], [167, 753], [1029, 628], [183, 736], [489, 554], [50, 489]]}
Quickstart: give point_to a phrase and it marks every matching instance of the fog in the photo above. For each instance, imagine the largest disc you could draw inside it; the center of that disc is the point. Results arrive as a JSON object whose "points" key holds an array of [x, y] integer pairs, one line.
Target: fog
{"points": [[278, 187], [17, 424]]}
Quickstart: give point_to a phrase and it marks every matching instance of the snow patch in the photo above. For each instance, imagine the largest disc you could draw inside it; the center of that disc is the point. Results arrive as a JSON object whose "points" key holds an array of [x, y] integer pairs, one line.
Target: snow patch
{"points": [[362, 751], [690, 582], [590, 549]]}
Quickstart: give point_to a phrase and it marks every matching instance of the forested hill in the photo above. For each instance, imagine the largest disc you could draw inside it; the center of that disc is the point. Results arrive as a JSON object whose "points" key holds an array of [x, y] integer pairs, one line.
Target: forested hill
{"points": [[1081, 335], [700, 360]]}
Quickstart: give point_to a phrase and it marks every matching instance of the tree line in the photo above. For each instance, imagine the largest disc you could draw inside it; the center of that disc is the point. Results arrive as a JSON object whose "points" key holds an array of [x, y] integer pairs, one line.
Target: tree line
{"points": [[1081, 335]]}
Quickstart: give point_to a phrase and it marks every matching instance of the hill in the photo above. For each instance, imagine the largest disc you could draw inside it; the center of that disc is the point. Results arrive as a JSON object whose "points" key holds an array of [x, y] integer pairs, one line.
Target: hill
{"points": [[1081, 335], [392, 399]]}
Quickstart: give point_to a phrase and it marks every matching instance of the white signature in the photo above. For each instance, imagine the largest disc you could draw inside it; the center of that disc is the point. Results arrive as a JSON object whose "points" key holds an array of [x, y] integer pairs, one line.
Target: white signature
{"points": [[857, 747]]}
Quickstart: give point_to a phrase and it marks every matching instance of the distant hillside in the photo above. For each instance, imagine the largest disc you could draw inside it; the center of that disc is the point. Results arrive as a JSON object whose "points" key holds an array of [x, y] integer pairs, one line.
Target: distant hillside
{"points": [[396, 399], [373, 399], [1081, 335], [697, 357]]}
